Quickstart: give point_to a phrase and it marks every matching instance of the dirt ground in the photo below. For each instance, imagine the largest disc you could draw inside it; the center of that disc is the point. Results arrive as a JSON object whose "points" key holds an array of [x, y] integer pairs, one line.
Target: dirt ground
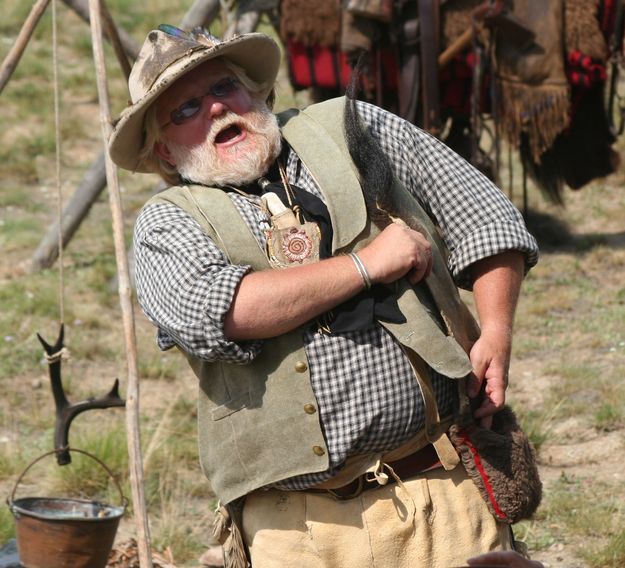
{"points": [[586, 456]]}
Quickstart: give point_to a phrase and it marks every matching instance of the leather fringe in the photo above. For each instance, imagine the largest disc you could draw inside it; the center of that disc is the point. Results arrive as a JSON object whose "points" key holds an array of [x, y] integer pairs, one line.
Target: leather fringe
{"points": [[227, 531], [542, 112]]}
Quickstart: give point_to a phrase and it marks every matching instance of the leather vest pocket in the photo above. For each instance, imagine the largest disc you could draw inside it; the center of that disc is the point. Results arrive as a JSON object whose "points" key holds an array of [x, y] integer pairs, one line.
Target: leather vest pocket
{"points": [[230, 407]]}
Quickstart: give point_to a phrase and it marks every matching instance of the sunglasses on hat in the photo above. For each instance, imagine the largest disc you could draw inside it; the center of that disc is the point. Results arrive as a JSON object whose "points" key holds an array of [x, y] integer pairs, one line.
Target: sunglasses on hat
{"points": [[198, 34]]}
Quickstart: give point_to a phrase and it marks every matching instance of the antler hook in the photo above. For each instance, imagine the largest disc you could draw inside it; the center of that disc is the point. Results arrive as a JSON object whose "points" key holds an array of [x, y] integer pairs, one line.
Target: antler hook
{"points": [[65, 411]]}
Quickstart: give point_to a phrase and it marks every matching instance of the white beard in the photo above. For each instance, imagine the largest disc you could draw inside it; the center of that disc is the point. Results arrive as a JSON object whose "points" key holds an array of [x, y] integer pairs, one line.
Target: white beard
{"points": [[244, 162]]}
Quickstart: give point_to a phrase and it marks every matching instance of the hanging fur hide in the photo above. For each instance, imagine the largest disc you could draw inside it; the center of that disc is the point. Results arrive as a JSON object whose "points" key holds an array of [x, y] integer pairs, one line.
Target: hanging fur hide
{"points": [[456, 19], [315, 23], [583, 32], [581, 153]]}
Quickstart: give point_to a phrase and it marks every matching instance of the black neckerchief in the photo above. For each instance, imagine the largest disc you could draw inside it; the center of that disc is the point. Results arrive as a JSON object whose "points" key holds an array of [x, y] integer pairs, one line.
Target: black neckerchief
{"points": [[359, 312]]}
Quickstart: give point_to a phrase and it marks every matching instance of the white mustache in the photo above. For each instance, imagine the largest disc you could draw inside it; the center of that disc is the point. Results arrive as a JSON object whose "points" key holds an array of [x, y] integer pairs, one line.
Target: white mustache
{"points": [[231, 119]]}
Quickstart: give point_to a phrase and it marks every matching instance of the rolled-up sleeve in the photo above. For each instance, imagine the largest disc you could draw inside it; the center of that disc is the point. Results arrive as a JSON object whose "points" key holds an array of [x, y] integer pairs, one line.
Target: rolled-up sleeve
{"points": [[185, 285], [476, 219]]}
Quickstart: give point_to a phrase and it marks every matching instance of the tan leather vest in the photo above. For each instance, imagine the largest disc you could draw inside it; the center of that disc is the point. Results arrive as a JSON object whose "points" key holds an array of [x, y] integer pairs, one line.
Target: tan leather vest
{"points": [[257, 423]]}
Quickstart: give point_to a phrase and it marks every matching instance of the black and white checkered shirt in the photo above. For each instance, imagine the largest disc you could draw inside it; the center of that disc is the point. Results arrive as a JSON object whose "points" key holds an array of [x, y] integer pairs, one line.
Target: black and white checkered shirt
{"points": [[367, 395]]}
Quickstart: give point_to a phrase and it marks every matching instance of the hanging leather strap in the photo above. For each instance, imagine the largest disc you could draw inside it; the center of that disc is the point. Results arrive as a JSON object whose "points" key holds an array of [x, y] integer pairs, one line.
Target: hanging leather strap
{"points": [[429, 24], [435, 430], [409, 83]]}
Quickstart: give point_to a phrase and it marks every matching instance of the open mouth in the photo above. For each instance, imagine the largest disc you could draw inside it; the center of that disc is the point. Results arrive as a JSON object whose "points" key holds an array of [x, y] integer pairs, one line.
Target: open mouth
{"points": [[227, 134]]}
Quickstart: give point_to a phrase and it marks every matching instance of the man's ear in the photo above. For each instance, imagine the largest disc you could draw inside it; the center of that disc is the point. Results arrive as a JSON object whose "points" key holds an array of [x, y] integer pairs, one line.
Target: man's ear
{"points": [[163, 153]]}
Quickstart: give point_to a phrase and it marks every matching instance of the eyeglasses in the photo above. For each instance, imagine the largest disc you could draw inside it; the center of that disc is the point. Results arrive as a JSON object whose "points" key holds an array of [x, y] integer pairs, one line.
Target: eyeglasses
{"points": [[190, 108]]}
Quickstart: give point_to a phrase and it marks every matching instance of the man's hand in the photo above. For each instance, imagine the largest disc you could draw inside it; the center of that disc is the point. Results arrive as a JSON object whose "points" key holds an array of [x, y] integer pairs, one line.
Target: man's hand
{"points": [[397, 251], [496, 285], [490, 357], [508, 558]]}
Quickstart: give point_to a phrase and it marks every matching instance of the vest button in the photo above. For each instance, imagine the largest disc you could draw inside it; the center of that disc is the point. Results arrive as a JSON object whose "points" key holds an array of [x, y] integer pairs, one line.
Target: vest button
{"points": [[301, 367], [318, 450], [309, 409]]}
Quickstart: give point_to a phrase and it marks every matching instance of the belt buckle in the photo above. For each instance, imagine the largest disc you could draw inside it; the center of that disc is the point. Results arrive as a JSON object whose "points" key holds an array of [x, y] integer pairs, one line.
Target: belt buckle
{"points": [[360, 486]]}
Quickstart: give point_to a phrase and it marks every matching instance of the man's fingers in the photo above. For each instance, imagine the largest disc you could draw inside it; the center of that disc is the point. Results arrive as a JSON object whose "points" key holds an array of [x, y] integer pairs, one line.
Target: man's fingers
{"points": [[417, 274], [430, 264], [474, 384], [486, 422], [423, 268]]}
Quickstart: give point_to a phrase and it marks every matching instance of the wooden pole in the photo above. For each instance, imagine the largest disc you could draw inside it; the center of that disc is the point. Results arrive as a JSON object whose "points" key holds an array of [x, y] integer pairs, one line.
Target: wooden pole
{"points": [[125, 298], [94, 181], [459, 44], [113, 34], [74, 212], [81, 7], [201, 13], [15, 53]]}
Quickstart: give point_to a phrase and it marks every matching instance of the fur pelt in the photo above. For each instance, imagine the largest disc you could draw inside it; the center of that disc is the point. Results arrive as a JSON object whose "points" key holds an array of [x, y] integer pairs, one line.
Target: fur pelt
{"points": [[373, 165], [502, 463], [456, 18], [311, 23], [583, 32]]}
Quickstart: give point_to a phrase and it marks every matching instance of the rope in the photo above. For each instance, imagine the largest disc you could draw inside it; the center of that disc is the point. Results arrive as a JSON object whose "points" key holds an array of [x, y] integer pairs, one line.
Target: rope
{"points": [[57, 128], [62, 354]]}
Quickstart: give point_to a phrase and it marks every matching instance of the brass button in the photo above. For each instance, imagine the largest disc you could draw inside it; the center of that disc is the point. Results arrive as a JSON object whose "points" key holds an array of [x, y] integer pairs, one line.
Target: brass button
{"points": [[318, 450], [301, 367], [309, 409]]}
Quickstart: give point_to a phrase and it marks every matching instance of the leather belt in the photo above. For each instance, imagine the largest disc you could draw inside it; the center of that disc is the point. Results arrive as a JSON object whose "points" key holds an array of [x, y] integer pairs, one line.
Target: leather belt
{"points": [[404, 468]]}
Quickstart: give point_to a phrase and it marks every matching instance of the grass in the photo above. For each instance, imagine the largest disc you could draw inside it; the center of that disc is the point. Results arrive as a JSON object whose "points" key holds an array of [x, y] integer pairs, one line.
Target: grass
{"points": [[7, 525], [538, 424], [610, 556]]}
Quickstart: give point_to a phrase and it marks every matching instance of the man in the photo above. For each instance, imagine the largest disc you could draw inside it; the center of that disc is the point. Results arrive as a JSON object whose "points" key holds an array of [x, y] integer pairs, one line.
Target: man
{"points": [[328, 350]]}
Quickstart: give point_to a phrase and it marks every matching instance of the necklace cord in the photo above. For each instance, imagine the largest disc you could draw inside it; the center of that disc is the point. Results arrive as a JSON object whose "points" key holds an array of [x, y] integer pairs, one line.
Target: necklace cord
{"points": [[290, 195]]}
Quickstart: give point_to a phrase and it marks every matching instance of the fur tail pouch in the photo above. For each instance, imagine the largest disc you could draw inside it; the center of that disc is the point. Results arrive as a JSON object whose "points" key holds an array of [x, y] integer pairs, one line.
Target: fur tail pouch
{"points": [[502, 463]]}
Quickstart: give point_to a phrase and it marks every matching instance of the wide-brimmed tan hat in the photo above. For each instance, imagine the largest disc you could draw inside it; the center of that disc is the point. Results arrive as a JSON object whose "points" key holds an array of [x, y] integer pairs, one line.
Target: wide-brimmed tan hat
{"points": [[166, 55]]}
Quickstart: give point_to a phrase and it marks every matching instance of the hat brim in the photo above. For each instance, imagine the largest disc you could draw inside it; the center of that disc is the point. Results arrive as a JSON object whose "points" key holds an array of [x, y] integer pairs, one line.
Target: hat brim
{"points": [[258, 54]]}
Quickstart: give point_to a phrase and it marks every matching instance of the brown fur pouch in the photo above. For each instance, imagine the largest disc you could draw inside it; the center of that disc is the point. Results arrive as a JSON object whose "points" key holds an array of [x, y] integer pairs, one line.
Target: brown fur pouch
{"points": [[502, 464]]}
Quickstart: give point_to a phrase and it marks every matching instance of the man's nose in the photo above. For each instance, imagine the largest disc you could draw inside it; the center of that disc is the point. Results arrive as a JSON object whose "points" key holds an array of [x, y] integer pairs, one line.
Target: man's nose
{"points": [[214, 107]]}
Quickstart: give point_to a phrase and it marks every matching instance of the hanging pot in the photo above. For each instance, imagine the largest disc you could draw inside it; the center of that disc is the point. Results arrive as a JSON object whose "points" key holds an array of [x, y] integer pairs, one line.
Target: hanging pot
{"points": [[65, 533]]}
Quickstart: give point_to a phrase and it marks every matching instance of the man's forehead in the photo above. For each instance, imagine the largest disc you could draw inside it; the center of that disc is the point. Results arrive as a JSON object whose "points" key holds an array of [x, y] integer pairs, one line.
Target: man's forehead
{"points": [[201, 76], [205, 71]]}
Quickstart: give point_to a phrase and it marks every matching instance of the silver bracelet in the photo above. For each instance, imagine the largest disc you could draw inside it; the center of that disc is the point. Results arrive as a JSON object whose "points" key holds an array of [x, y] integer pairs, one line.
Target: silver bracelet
{"points": [[361, 270]]}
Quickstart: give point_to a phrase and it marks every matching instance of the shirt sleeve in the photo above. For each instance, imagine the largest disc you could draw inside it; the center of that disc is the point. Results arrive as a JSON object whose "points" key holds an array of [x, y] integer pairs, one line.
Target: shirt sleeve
{"points": [[185, 285], [476, 219]]}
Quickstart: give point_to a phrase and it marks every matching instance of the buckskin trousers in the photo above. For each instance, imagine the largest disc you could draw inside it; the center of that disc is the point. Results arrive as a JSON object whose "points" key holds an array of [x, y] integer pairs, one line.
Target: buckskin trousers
{"points": [[434, 520]]}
